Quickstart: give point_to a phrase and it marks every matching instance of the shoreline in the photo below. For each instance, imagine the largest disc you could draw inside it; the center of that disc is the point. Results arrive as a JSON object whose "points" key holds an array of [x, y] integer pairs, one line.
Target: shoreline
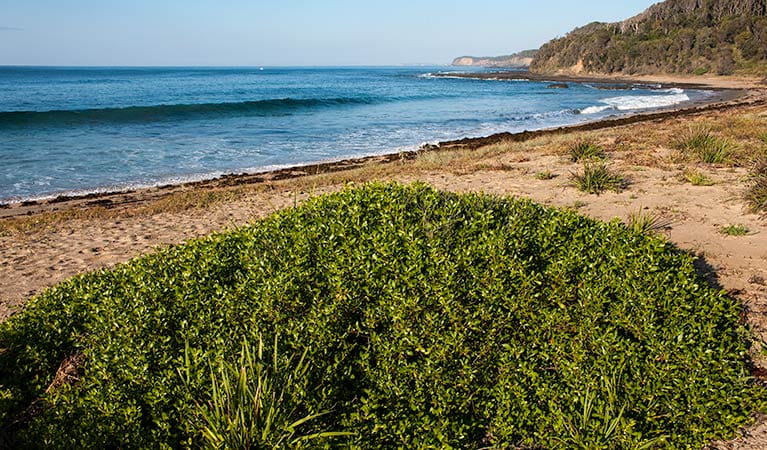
{"points": [[715, 83], [725, 97]]}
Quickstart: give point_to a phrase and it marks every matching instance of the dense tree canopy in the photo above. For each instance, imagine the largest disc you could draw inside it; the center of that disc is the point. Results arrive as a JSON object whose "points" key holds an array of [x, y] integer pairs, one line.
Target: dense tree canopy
{"points": [[677, 36]]}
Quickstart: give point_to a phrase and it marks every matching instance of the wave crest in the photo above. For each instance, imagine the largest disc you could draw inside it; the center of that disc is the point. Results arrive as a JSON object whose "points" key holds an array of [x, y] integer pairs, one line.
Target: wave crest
{"points": [[174, 112]]}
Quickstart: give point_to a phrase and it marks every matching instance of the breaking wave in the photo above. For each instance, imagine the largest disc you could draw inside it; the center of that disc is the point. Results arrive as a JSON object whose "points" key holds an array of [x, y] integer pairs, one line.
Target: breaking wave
{"points": [[632, 103]]}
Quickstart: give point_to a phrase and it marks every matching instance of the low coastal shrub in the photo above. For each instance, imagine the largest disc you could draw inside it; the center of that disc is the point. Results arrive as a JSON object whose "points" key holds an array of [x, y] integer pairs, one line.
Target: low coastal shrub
{"points": [[597, 177], [734, 230], [702, 145], [585, 150], [411, 317]]}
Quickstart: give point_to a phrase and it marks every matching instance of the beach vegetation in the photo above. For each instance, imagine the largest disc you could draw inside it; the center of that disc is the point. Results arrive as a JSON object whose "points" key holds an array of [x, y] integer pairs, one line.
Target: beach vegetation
{"points": [[545, 175], [646, 223], [697, 178], [257, 400], [756, 189], [704, 146], [597, 177], [386, 316], [584, 150], [735, 230]]}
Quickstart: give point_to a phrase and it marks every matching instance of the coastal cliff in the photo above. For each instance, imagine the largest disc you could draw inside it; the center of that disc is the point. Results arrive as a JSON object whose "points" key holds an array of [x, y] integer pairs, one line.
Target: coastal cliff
{"points": [[521, 59], [721, 37]]}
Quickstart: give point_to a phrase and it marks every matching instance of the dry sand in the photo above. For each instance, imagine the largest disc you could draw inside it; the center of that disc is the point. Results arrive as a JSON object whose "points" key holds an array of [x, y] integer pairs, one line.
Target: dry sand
{"points": [[45, 243]]}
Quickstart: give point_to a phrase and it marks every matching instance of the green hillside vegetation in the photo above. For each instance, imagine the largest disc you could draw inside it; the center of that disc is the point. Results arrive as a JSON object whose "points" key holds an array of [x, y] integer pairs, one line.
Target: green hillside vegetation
{"points": [[394, 316], [720, 37]]}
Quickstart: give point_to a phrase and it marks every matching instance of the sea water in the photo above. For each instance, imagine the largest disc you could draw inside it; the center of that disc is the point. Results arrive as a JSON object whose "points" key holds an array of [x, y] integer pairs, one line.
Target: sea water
{"points": [[66, 130]]}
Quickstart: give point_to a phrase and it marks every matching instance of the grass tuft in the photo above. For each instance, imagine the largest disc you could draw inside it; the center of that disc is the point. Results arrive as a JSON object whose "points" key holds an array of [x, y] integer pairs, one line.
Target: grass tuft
{"points": [[697, 178], [255, 402], [596, 178], [756, 192], [584, 150], [701, 144], [647, 223]]}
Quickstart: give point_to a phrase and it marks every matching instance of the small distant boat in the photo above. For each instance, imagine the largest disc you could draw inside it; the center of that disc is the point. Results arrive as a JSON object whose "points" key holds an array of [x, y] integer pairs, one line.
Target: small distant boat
{"points": [[261, 68]]}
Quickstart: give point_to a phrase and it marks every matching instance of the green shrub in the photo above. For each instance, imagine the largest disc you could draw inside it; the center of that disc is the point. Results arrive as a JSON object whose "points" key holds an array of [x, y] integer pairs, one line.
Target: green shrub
{"points": [[734, 230], [700, 71], [704, 146], [763, 137], [585, 150], [430, 319], [597, 178]]}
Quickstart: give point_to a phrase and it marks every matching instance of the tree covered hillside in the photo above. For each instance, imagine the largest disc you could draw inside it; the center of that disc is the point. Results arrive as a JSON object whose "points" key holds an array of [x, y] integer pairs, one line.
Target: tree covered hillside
{"points": [[677, 36]]}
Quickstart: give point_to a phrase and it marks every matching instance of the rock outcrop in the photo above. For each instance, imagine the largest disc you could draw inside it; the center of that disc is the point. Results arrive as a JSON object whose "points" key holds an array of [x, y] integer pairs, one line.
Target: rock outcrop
{"points": [[521, 59]]}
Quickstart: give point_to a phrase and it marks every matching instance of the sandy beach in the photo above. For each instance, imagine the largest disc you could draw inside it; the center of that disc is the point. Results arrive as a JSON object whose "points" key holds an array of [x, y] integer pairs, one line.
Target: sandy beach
{"points": [[46, 242]]}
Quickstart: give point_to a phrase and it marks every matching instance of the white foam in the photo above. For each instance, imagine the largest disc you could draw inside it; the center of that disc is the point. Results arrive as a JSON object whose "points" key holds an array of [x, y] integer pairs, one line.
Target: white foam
{"points": [[441, 75], [507, 79], [453, 76], [632, 103], [595, 109]]}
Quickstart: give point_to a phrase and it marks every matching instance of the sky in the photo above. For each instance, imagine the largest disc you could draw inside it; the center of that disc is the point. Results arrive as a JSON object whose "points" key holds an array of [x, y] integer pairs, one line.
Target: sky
{"points": [[285, 32]]}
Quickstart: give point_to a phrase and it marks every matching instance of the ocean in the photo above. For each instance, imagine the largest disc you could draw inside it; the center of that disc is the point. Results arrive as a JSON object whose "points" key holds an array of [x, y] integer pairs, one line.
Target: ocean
{"points": [[67, 130]]}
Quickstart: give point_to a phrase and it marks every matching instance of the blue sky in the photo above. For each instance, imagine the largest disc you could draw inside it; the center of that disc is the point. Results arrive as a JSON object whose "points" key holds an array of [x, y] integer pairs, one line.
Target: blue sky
{"points": [[285, 32]]}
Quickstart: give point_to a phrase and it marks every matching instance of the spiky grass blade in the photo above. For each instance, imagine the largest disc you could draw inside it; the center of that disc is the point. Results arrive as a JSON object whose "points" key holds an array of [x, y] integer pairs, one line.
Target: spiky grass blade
{"points": [[585, 150], [647, 223], [597, 177], [256, 402], [756, 192], [699, 143]]}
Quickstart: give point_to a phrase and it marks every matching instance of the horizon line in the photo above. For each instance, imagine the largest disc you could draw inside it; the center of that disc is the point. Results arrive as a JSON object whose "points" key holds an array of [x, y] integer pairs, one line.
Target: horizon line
{"points": [[245, 66]]}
